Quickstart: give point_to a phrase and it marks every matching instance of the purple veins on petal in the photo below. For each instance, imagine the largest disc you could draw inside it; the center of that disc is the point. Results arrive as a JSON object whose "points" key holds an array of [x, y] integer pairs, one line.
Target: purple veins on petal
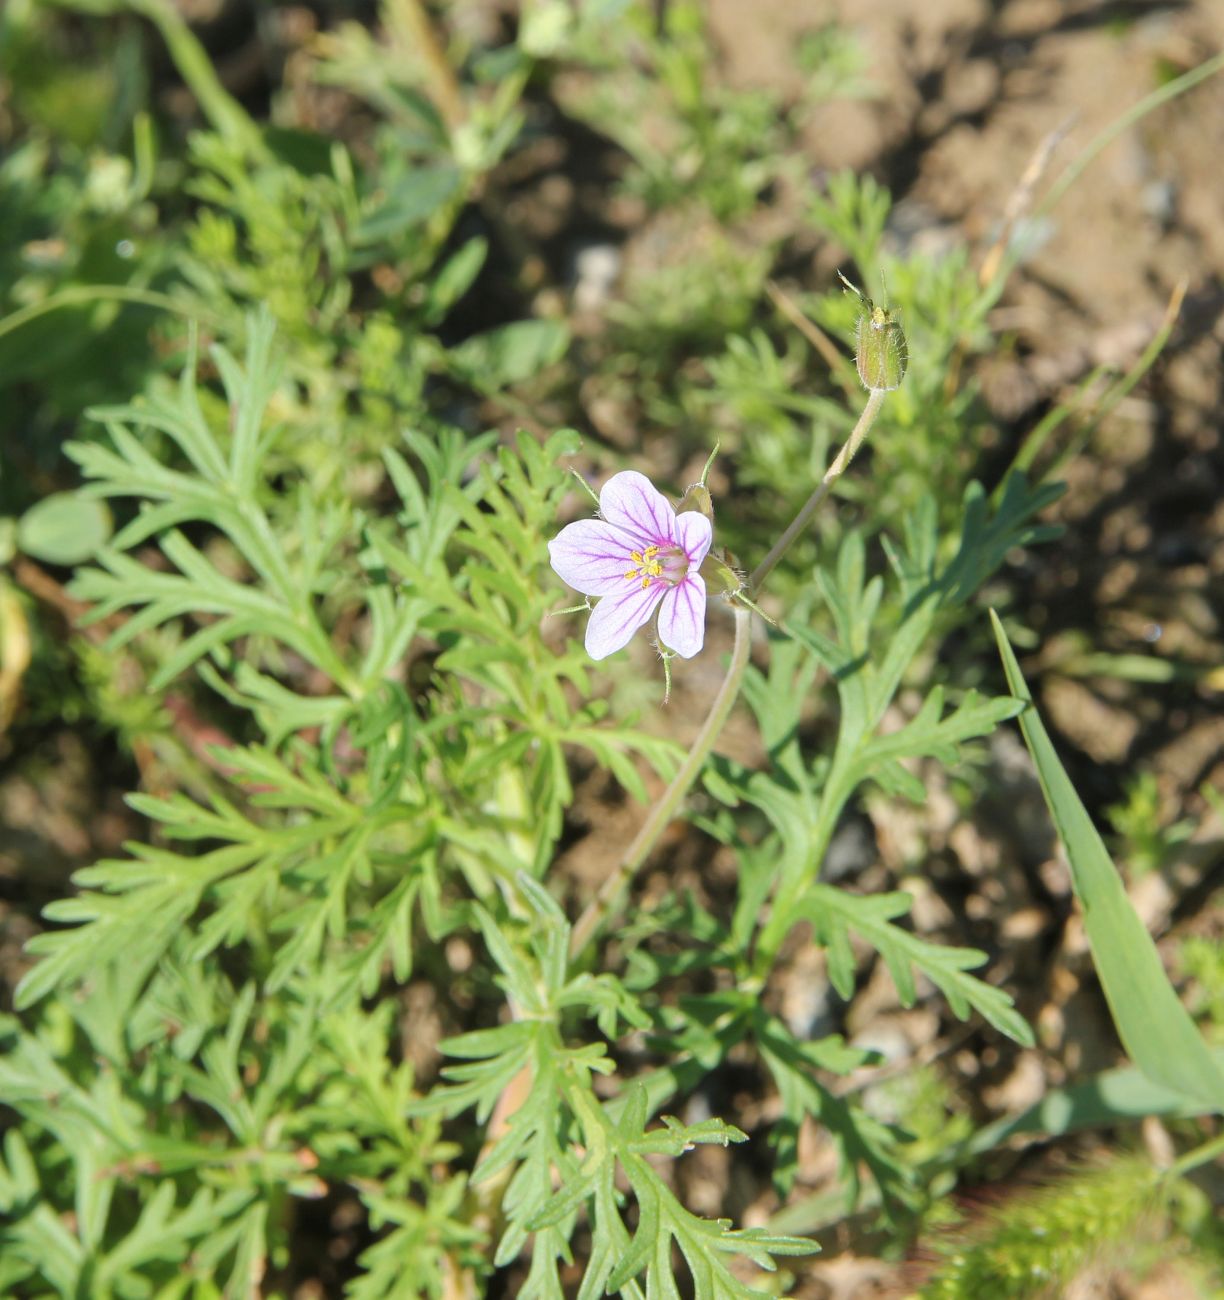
{"points": [[694, 533], [592, 556], [682, 617], [629, 500], [638, 557], [616, 618]]}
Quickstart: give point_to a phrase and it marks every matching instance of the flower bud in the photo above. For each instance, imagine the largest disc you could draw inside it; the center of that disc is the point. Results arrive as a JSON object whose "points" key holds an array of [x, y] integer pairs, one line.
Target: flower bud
{"points": [[880, 351], [697, 497], [719, 576]]}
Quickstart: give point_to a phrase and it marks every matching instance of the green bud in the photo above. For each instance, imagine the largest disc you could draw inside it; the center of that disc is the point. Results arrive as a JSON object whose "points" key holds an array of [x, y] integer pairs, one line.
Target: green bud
{"points": [[697, 497], [880, 351], [719, 576]]}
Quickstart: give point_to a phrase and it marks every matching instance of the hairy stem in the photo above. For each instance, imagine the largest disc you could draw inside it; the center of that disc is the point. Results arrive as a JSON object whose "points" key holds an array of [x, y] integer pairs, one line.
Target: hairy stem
{"points": [[832, 474], [600, 907]]}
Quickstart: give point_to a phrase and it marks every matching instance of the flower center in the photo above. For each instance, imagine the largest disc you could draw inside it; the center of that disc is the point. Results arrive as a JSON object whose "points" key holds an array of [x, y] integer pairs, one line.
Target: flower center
{"points": [[659, 563]]}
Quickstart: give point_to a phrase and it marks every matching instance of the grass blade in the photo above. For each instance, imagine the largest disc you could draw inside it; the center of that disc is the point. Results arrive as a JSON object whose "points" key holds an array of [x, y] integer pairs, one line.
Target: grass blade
{"points": [[1156, 1030], [1113, 1097]]}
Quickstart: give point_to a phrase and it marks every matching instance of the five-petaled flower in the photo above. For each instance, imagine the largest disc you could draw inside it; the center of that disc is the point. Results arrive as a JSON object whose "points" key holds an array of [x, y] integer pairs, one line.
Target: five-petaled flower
{"points": [[639, 556]]}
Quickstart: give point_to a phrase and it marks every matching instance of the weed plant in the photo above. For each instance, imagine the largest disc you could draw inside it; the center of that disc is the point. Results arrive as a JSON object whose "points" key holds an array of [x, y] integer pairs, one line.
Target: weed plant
{"points": [[302, 523]]}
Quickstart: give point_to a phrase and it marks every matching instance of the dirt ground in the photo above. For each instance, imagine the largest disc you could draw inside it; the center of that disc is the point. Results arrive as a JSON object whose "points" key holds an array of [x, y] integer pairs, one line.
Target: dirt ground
{"points": [[968, 92]]}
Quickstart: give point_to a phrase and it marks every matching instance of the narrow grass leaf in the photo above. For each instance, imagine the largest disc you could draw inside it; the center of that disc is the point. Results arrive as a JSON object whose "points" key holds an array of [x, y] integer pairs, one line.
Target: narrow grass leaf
{"points": [[1112, 1097], [1156, 1030]]}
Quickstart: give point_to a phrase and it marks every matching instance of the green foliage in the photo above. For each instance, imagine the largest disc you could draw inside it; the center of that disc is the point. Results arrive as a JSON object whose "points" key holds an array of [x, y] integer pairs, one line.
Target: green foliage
{"points": [[862, 1140], [1145, 841], [854, 210], [1155, 1028], [310, 856], [562, 1100], [690, 140], [1037, 1242], [1112, 1097], [803, 802], [78, 232], [180, 1170], [1203, 961], [833, 913], [61, 530], [321, 625]]}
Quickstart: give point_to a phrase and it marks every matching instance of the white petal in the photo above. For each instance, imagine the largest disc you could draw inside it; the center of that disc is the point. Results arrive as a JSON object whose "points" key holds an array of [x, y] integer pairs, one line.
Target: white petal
{"points": [[592, 556], [629, 500], [682, 617], [694, 532], [616, 618]]}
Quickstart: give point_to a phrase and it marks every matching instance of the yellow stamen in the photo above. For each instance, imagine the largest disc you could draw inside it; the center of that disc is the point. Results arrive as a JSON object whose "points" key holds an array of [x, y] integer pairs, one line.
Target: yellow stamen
{"points": [[647, 566]]}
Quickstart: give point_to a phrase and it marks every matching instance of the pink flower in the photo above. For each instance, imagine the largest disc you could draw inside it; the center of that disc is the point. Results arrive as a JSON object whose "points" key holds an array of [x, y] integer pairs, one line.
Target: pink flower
{"points": [[638, 557]]}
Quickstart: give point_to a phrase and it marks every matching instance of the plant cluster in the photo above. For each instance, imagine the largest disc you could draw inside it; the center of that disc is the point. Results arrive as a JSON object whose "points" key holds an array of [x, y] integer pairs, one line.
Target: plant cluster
{"points": [[314, 603]]}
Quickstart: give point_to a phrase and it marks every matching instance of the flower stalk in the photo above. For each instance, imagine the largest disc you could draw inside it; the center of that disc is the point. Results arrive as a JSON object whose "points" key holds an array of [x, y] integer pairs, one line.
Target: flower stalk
{"points": [[605, 901], [648, 561], [875, 399]]}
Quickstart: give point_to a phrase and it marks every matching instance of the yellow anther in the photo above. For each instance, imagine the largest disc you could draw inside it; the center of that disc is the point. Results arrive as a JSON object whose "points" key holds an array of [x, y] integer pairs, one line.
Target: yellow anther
{"points": [[647, 566]]}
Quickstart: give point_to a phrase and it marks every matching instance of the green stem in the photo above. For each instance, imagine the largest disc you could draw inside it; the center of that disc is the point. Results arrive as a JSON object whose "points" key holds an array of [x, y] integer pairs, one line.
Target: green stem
{"points": [[809, 508], [1102, 140], [1201, 1155], [224, 113], [792, 887], [78, 294], [600, 907], [1162, 95]]}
